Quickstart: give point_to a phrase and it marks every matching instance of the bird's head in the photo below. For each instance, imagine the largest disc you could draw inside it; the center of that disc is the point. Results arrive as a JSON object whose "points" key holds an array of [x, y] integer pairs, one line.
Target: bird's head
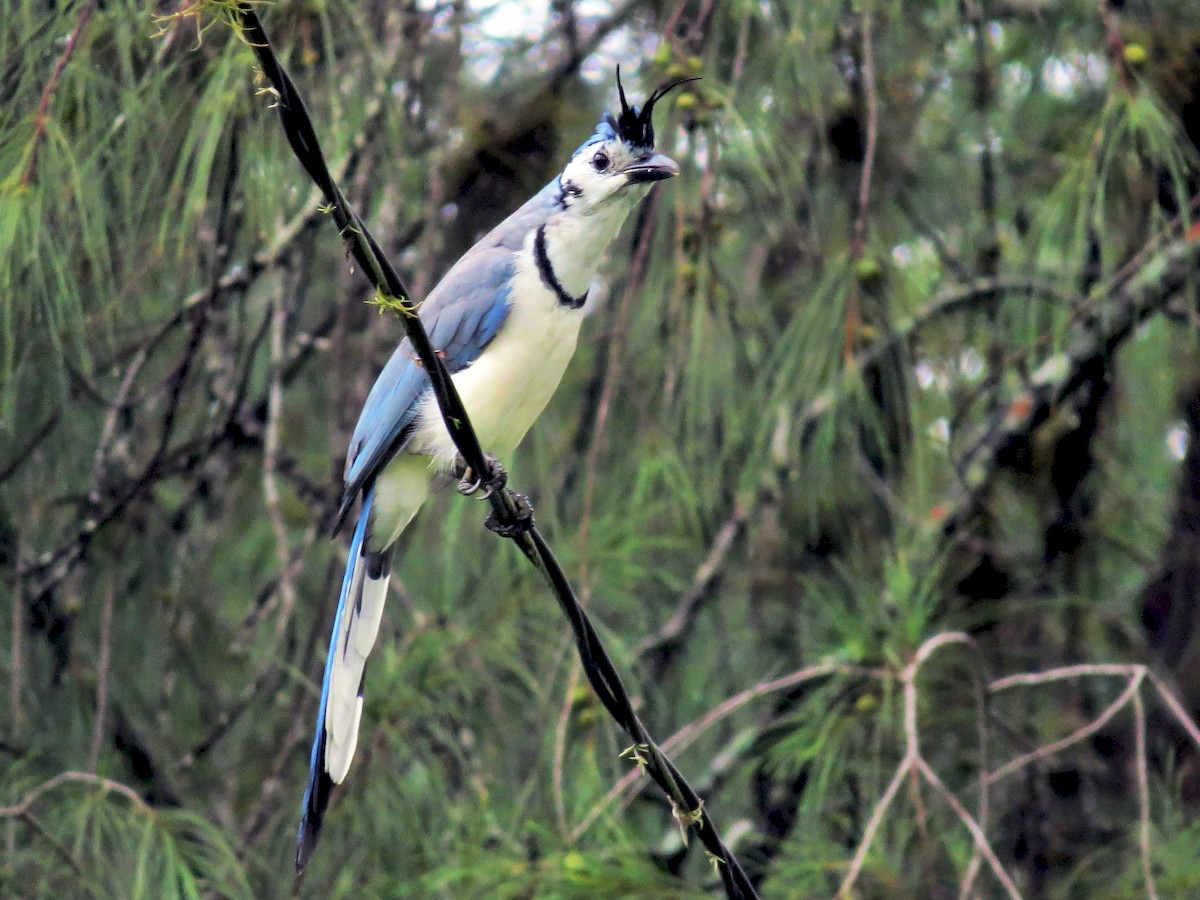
{"points": [[619, 157]]}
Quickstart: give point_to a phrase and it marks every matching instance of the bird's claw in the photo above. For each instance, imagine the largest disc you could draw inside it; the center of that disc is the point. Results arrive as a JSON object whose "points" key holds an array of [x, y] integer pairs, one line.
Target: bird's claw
{"points": [[522, 522], [491, 481], [467, 487]]}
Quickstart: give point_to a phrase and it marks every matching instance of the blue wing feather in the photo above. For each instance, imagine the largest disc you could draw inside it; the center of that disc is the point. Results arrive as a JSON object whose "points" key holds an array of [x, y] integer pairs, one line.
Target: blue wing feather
{"points": [[462, 316]]}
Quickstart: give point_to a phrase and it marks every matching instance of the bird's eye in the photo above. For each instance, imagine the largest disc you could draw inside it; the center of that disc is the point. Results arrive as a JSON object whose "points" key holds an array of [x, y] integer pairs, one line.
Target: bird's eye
{"points": [[600, 161]]}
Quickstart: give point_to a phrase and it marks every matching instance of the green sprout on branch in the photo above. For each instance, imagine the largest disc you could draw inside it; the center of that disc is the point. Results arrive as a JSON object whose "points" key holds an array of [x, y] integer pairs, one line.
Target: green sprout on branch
{"points": [[401, 306], [205, 14], [636, 753], [688, 820]]}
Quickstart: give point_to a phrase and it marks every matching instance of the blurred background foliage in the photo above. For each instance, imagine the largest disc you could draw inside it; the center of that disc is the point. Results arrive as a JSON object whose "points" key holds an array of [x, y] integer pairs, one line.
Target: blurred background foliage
{"points": [[909, 349]]}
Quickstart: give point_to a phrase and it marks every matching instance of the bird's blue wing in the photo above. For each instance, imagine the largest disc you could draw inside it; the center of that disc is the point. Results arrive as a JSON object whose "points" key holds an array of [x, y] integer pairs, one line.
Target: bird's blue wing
{"points": [[462, 316]]}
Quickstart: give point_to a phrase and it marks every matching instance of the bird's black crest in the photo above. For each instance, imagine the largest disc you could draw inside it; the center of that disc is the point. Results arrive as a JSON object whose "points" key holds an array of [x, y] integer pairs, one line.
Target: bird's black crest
{"points": [[636, 126]]}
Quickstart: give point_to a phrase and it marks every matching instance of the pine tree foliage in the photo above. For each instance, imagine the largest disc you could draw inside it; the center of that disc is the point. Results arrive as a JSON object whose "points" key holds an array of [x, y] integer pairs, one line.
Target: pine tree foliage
{"points": [[880, 436]]}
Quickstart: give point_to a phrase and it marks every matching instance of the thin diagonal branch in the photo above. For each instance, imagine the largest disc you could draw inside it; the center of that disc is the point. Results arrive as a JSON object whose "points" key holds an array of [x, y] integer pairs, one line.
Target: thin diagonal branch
{"points": [[1079, 734], [43, 113], [597, 421], [656, 650], [35, 825], [1062, 374], [977, 833]]}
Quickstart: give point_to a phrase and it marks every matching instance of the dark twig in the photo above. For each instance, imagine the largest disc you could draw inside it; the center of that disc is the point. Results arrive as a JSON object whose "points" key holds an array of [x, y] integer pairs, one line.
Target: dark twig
{"points": [[1060, 376], [23, 811], [989, 253], [597, 665], [302, 137], [240, 427], [241, 276], [588, 45], [858, 238], [622, 790], [22, 456], [979, 293], [982, 98], [108, 432], [35, 825], [50, 568], [656, 651]]}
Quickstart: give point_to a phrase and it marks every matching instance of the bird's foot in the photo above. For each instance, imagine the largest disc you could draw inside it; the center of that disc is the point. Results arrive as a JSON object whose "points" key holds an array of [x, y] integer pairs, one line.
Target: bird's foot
{"points": [[520, 525], [490, 481]]}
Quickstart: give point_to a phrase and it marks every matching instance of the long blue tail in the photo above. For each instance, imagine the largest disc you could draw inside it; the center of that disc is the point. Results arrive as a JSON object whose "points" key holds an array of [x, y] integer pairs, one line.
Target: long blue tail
{"points": [[355, 626]]}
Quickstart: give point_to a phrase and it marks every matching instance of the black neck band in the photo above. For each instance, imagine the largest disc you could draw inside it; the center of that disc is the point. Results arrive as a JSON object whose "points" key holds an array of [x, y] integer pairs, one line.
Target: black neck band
{"points": [[546, 270]]}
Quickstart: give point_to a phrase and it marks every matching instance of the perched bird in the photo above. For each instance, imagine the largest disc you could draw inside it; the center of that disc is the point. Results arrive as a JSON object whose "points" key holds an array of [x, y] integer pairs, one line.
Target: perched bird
{"points": [[504, 319]]}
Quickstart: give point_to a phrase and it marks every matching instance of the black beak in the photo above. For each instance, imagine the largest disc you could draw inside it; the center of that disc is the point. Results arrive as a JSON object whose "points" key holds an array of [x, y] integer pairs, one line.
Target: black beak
{"points": [[650, 167]]}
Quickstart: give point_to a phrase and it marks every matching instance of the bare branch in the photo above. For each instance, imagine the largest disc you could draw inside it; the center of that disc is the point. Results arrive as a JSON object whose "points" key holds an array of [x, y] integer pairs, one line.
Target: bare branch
{"points": [[877, 815], [1143, 784], [981, 841], [859, 237], [914, 761], [1176, 708], [43, 113], [1064, 673], [106, 784], [688, 734], [1079, 734], [1108, 323]]}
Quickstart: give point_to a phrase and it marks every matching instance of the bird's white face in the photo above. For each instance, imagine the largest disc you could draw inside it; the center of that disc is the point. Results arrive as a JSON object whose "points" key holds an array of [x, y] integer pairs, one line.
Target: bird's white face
{"points": [[610, 171], [597, 190]]}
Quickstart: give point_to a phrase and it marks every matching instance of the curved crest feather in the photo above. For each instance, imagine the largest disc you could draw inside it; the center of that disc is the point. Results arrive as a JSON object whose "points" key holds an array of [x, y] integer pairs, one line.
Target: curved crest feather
{"points": [[636, 126]]}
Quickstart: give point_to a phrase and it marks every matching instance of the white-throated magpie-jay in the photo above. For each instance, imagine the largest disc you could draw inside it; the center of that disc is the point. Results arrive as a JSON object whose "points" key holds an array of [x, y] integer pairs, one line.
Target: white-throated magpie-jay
{"points": [[504, 319]]}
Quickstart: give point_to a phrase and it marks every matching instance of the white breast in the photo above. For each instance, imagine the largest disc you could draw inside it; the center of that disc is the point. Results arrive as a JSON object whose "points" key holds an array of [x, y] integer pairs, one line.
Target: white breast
{"points": [[507, 388]]}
